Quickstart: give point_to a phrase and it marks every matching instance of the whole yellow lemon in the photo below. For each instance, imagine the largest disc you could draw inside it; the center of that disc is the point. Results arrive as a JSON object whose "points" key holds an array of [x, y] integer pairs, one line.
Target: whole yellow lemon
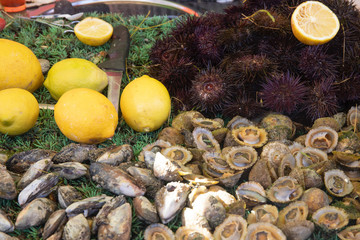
{"points": [[19, 111], [74, 73], [85, 116], [145, 104], [19, 67]]}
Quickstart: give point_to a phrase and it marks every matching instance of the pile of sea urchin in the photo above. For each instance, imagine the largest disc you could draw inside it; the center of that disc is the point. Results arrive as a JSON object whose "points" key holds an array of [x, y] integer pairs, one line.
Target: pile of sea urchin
{"points": [[246, 61]]}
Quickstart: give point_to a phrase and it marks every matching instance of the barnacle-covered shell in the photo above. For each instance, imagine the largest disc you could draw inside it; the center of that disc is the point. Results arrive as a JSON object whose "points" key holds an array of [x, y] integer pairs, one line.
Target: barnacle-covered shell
{"points": [[353, 117], [298, 230], [154, 147], [350, 233], [193, 232], [241, 157], [295, 211], [309, 156], [234, 227], [210, 124], [237, 122], [284, 190], [278, 127], [177, 153], [264, 230], [327, 122], [157, 231], [204, 140], [331, 218], [252, 193], [248, 136], [337, 183], [323, 138], [263, 213], [183, 120]]}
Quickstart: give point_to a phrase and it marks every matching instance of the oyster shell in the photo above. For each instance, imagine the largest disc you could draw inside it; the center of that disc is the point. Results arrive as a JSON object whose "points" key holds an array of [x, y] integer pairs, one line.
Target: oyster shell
{"points": [[6, 225], [145, 210], [204, 140], [264, 213], [190, 218], [77, 228], [298, 230], [350, 233], [284, 190], [55, 222], [35, 170], [337, 183], [158, 231], [353, 117], [323, 138], [248, 136], [234, 227], [171, 135], [264, 230], [295, 211], [67, 195], [7, 185], [309, 156], [252, 193], [177, 153], [170, 200], [330, 218], [187, 233], [116, 155], [241, 157]]}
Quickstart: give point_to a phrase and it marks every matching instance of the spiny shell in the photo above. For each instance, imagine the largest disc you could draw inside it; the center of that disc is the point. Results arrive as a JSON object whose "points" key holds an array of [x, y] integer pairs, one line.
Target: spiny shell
{"points": [[234, 227], [264, 230], [158, 231], [323, 138], [331, 218]]}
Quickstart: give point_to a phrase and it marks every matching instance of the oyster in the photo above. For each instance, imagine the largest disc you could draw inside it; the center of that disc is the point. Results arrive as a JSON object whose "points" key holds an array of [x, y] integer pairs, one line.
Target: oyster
{"points": [[87, 206], [263, 213], [350, 233], [70, 170], [337, 183], [55, 222], [35, 213], [353, 117], [154, 147], [234, 227], [237, 122], [204, 140], [298, 230], [165, 169], [6, 225], [207, 123], [278, 127], [116, 180], [264, 230], [145, 210], [171, 135], [118, 224], [190, 218], [35, 170], [40, 187], [77, 228], [68, 195], [241, 157], [193, 232], [7, 185], [309, 156], [177, 153], [157, 231], [170, 200], [74, 152], [284, 190], [296, 211], [323, 138], [330, 218], [252, 193], [248, 136], [116, 155]]}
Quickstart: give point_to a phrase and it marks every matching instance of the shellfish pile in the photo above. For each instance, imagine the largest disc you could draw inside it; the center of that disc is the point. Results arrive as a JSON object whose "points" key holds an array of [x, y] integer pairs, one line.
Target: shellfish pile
{"points": [[248, 179]]}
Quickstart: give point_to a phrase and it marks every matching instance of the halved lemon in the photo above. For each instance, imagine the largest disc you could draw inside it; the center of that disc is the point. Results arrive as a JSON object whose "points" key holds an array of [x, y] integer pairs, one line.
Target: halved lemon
{"points": [[93, 31], [314, 23]]}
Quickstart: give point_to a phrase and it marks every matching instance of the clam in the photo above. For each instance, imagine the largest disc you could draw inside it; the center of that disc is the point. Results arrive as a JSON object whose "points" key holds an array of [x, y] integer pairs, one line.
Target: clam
{"points": [[55, 222], [77, 228], [6, 225], [264, 230], [177, 153], [263, 213], [353, 117], [35, 170], [350, 233], [171, 135], [170, 200], [337, 183], [70, 170], [145, 210], [183, 120], [252, 193], [237, 122], [278, 127], [330, 218], [298, 230], [74, 152], [154, 147], [157, 231], [234, 227], [7, 185], [204, 140], [165, 169], [249, 136], [284, 190], [87, 206], [190, 218], [323, 138], [207, 123], [193, 232], [309, 156], [67, 195], [241, 157], [116, 155], [295, 211]]}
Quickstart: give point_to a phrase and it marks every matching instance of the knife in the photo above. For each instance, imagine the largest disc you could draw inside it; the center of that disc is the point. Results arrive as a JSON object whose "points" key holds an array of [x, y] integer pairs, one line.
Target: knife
{"points": [[116, 64]]}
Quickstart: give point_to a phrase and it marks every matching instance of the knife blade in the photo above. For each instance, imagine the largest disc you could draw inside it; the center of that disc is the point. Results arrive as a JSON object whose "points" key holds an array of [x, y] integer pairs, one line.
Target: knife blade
{"points": [[116, 64]]}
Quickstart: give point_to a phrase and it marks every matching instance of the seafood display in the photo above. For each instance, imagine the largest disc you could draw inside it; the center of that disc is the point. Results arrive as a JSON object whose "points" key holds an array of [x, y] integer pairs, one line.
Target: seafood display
{"points": [[236, 183]]}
